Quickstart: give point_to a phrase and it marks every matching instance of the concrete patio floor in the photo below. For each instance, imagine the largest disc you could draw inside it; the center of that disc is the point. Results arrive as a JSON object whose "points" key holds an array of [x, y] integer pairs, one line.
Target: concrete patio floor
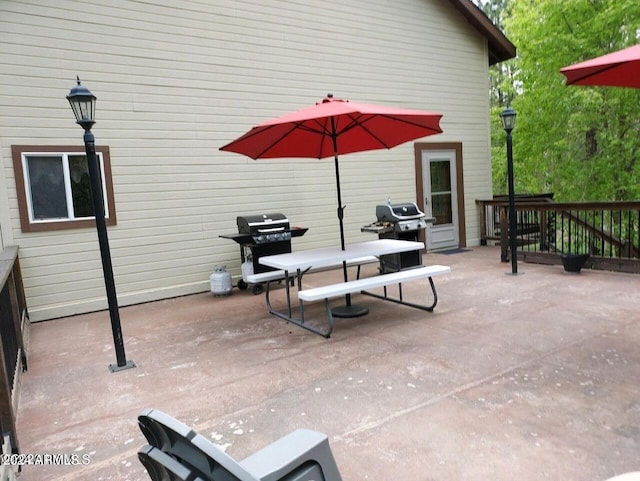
{"points": [[522, 377]]}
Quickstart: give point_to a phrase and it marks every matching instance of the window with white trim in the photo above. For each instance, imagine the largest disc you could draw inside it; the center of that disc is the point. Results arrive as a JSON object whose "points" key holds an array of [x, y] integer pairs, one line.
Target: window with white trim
{"points": [[54, 190]]}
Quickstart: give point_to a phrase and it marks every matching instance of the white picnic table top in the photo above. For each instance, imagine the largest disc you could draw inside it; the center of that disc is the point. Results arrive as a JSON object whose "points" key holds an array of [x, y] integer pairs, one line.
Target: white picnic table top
{"points": [[329, 256]]}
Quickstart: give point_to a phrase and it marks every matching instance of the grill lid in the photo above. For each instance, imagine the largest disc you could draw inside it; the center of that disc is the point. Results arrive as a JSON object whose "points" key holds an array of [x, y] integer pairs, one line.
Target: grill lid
{"points": [[398, 212], [251, 224]]}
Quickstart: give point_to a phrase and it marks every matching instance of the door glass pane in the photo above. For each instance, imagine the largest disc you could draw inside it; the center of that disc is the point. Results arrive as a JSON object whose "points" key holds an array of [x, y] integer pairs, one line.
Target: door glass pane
{"points": [[80, 186], [441, 208], [46, 181], [440, 176], [441, 205]]}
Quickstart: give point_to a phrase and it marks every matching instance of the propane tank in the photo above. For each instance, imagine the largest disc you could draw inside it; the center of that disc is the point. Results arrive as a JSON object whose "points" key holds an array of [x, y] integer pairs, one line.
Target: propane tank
{"points": [[220, 282]]}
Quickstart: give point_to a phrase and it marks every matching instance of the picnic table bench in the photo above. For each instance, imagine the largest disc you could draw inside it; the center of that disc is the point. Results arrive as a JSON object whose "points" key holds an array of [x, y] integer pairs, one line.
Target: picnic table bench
{"points": [[383, 280], [295, 265]]}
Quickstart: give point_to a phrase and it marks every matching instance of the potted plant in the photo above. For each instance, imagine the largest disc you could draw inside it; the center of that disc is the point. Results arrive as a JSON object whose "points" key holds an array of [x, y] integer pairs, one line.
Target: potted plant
{"points": [[574, 262]]}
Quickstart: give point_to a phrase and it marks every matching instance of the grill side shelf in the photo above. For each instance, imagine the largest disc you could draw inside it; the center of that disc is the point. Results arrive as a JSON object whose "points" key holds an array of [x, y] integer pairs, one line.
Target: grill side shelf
{"points": [[377, 228], [242, 239], [298, 231]]}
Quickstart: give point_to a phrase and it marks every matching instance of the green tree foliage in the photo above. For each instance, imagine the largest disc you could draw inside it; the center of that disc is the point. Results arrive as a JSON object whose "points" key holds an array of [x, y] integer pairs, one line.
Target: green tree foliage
{"points": [[501, 75], [502, 91], [582, 143]]}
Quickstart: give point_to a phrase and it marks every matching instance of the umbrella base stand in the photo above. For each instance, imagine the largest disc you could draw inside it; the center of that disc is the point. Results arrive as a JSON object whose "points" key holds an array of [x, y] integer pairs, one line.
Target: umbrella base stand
{"points": [[349, 311]]}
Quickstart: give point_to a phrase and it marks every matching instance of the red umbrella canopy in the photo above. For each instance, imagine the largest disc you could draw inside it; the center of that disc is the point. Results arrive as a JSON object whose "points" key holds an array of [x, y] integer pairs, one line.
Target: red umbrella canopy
{"points": [[617, 69], [330, 128], [333, 127]]}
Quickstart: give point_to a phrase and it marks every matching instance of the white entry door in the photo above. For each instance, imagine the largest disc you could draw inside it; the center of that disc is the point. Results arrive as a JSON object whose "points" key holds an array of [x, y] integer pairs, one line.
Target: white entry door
{"points": [[440, 198]]}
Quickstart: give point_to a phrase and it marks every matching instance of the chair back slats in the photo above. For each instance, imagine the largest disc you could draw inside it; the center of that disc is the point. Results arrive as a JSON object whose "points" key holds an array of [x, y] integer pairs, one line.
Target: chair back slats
{"points": [[162, 467]]}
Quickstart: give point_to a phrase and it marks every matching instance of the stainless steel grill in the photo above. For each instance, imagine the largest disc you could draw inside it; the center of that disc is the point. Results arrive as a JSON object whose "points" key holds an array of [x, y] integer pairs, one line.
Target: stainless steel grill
{"points": [[399, 221], [401, 217]]}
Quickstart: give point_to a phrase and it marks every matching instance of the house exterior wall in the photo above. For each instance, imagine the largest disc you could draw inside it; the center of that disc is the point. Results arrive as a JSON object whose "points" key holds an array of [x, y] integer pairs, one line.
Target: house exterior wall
{"points": [[177, 80]]}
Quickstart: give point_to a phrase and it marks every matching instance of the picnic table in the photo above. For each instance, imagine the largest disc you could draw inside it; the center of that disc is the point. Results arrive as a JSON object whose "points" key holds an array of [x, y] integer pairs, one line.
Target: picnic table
{"points": [[296, 264]]}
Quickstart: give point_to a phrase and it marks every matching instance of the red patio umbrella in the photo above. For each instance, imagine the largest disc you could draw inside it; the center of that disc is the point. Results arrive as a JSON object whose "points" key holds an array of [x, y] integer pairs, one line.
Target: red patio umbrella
{"points": [[333, 127], [617, 69]]}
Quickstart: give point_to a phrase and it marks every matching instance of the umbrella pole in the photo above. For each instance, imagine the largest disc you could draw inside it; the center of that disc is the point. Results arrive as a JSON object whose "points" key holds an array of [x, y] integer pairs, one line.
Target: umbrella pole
{"points": [[348, 310], [340, 208]]}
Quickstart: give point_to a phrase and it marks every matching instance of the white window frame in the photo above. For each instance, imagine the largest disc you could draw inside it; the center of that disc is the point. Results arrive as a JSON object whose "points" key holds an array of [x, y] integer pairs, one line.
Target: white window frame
{"points": [[67, 185]]}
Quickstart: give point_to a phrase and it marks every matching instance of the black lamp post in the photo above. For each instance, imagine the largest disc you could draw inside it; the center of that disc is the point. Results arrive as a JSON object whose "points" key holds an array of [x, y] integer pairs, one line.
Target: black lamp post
{"points": [[83, 103], [508, 116]]}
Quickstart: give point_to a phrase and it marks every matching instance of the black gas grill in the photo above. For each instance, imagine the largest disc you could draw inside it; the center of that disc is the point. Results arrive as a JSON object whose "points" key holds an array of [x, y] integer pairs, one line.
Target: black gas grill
{"points": [[263, 235], [399, 221]]}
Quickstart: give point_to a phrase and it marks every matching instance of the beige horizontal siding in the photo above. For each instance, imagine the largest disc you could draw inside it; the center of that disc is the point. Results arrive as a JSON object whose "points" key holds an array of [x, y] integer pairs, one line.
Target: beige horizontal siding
{"points": [[177, 80]]}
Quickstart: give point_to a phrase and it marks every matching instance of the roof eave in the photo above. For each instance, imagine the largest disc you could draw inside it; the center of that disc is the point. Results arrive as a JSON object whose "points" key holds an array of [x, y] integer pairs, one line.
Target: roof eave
{"points": [[500, 48]]}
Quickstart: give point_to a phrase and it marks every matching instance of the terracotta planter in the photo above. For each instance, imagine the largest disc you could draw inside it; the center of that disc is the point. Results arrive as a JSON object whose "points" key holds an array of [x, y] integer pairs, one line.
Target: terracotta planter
{"points": [[573, 262]]}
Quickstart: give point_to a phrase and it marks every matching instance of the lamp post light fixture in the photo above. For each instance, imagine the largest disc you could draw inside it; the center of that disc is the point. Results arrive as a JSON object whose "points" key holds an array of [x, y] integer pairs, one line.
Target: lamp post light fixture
{"points": [[83, 103], [508, 117]]}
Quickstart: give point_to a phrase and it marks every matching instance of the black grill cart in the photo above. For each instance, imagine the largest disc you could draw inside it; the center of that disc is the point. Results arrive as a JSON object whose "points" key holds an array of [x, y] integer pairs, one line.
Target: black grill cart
{"points": [[262, 235]]}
